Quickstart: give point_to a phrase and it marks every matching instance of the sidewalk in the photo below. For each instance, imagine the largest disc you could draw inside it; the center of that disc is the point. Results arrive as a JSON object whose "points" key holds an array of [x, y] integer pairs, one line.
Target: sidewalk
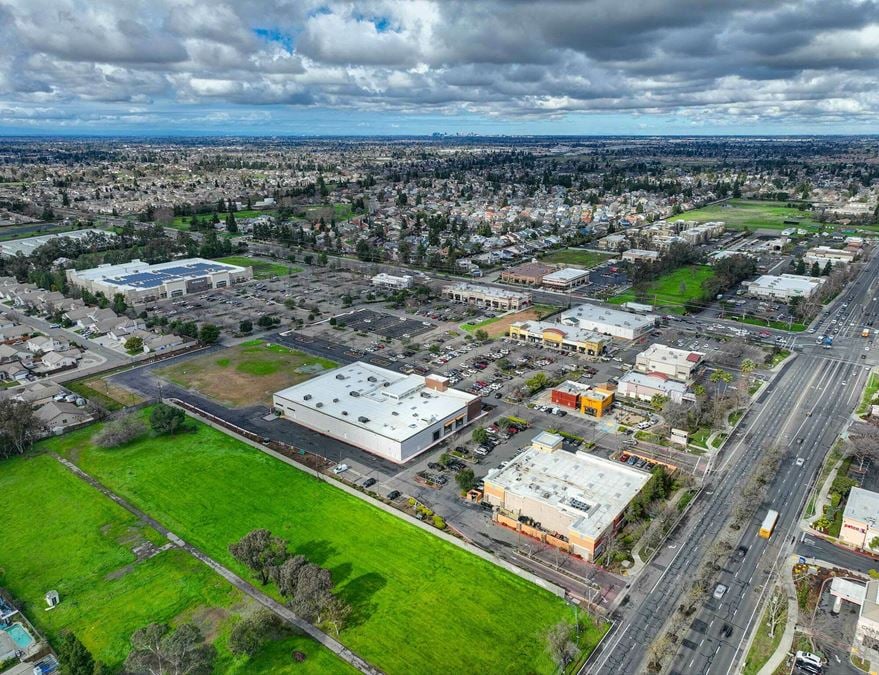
{"points": [[787, 638]]}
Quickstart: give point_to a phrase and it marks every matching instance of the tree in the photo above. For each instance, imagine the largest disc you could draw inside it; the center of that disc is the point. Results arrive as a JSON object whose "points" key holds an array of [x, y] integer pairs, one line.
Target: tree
{"points": [[776, 608], [874, 543], [208, 334], [481, 335], [312, 592], [466, 479], [336, 612], [748, 366], [252, 632], [245, 326], [166, 419], [828, 268], [119, 305], [801, 267], [134, 344], [120, 431], [657, 401], [73, 656], [261, 551], [536, 382], [560, 644], [231, 224], [19, 427], [158, 650], [286, 575], [479, 435], [816, 270]]}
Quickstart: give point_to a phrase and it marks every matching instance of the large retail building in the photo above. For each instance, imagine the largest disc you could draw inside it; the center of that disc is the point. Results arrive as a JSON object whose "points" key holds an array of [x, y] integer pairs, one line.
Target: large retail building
{"points": [[384, 412], [614, 322], [140, 282]]}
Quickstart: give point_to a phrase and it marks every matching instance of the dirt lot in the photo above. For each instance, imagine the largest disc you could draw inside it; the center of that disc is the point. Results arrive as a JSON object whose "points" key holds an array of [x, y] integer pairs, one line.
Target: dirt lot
{"points": [[499, 327], [246, 374]]}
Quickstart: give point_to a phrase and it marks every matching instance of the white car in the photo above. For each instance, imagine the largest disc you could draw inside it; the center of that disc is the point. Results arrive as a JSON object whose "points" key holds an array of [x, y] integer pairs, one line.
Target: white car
{"points": [[340, 468], [719, 591], [800, 461]]}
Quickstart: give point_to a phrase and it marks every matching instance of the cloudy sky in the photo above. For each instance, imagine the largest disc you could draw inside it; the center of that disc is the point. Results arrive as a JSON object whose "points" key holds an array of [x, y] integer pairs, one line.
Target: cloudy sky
{"points": [[511, 66]]}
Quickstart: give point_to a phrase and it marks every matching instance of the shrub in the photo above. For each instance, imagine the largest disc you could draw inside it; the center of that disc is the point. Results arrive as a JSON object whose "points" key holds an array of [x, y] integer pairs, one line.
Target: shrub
{"points": [[120, 431]]}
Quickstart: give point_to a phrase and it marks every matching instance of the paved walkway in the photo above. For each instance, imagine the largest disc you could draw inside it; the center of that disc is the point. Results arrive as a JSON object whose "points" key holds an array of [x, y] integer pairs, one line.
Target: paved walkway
{"points": [[248, 589], [787, 638]]}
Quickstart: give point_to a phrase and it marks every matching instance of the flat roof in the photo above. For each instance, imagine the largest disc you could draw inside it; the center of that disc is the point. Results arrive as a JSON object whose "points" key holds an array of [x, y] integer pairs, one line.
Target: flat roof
{"points": [[566, 274], [573, 333], [787, 282], [863, 506], [530, 269], [593, 491], [138, 275], [382, 401], [28, 245], [611, 317], [870, 608], [486, 290], [654, 380], [666, 354]]}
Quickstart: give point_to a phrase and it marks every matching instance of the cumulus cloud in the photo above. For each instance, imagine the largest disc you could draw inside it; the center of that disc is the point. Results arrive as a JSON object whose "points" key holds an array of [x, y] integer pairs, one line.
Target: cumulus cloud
{"points": [[810, 60]]}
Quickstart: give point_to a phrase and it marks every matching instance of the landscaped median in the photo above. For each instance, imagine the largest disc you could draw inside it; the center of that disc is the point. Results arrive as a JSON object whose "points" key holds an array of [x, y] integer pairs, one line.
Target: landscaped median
{"points": [[420, 604]]}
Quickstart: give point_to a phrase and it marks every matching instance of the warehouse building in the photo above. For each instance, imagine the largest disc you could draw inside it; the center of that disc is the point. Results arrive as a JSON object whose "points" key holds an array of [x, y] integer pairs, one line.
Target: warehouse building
{"points": [[26, 246], [860, 520], [486, 296], [557, 336], [824, 254], [574, 501], [613, 322], [589, 400], [783, 287], [527, 274], [381, 411], [140, 282], [644, 386], [678, 364], [566, 279], [392, 282]]}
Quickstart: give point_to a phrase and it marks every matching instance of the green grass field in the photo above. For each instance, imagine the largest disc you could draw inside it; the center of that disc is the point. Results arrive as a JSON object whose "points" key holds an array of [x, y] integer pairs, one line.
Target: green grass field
{"points": [[420, 605], [60, 533], [262, 269], [739, 214], [183, 222], [579, 257], [768, 323], [247, 373], [671, 291], [870, 389]]}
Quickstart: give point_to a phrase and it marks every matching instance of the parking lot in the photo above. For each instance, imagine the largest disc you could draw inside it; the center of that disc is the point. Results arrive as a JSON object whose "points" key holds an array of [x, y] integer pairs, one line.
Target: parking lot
{"points": [[386, 325]]}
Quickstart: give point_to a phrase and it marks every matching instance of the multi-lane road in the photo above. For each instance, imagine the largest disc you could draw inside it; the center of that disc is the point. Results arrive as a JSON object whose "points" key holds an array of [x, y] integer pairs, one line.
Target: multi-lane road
{"points": [[802, 412]]}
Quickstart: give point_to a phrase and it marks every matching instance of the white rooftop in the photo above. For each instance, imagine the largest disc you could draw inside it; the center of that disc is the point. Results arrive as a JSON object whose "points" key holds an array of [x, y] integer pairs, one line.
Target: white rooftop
{"points": [[863, 506], [605, 315], [653, 380], [492, 291], [665, 354], [138, 275], [573, 333], [565, 274], [28, 245], [794, 283], [382, 401], [593, 491]]}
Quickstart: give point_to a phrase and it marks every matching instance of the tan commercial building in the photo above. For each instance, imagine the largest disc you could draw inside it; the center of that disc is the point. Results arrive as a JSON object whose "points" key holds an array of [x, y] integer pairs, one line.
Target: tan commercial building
{"points": [[527, 274], [678, 364], [635, 255], [487, 296], [566, 279], [783, 287], [824, 254], [867, 629], [860, 520], [574, 501], [557, 336]]}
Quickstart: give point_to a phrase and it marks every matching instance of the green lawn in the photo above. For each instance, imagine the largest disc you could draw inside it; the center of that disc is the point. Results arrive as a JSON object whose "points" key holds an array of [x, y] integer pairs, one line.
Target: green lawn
{"points": [[59, 533], [870, 389], [262, 269], [183, 222], [768, 323], [739, 214], [13, 232], [576, 256], [700, 437], [470, 327], [421, 605], [763, 646], [671, 291]]}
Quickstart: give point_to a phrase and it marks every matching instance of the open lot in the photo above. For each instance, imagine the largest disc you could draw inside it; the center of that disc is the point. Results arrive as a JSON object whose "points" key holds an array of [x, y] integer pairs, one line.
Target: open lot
{"points": [[386, 325], [576, 256], [671, 291], [262, 269], [246, 374], [498, 326], [110, 396], [420, 605], [67, 536], [739, 214], [183, 222]]}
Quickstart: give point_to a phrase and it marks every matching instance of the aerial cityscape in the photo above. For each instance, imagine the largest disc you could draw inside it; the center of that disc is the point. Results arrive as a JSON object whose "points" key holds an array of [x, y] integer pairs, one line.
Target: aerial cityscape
{"points": [[435, 337]]}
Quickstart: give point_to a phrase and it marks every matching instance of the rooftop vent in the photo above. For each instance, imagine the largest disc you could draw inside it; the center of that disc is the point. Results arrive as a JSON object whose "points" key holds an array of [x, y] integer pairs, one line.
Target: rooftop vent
{"points": [[363, 419], [354, 393], [335, 400], [340, 376], [372, 378], [307, 397], [318, 405]]}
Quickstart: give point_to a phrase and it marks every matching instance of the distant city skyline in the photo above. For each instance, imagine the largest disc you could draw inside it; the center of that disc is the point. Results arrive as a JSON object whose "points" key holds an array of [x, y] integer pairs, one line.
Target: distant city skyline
{"points": [[657, 67]]}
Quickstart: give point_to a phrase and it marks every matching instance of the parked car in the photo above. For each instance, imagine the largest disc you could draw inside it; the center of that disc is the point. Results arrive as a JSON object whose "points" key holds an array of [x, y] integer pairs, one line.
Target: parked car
{"points": [[394, 494], [340, 468], [369, 482], [719, 591]]}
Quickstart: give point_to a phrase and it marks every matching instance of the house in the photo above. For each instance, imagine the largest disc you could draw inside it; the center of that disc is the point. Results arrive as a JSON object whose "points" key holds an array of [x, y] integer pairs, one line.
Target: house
{"points": [[58, 361], [46, 343], [56, 415]]}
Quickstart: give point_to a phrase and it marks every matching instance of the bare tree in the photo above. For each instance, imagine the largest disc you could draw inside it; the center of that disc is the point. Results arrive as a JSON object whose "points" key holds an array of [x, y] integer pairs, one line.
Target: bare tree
{"points": [[864, 442], [18, 427], [120, 431], [158, 650], [561, 645], [775, 610]]}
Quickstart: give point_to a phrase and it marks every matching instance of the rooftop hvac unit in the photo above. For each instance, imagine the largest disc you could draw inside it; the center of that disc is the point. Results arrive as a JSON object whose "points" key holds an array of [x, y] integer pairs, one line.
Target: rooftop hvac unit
{"points": [[362, 419], [345, 413], [354, 393], [318, 405], [335, 400], [340, 376], [372, 378], [307, 397]]}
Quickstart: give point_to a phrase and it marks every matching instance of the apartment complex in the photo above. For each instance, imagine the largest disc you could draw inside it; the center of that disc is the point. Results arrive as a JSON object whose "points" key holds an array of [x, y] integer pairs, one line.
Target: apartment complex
{"points": [[574, 501], [140, 282], [678, 364], [835, 256], [381, 411], [558, 336], [613, 322], [487, 296]]}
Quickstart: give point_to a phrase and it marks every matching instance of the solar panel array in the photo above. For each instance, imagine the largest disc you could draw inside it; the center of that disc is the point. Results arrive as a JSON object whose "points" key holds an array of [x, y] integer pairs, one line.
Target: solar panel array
{"points": [[158, 277]]}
